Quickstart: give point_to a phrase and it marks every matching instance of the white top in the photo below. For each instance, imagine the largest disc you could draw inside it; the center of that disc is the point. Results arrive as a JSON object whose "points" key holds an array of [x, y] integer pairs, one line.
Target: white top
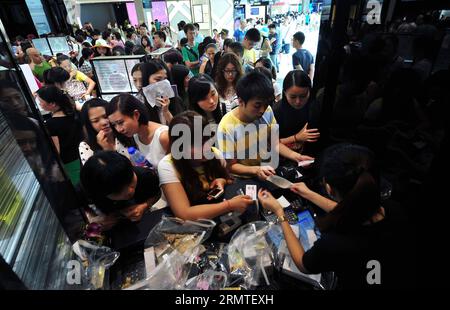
{"points": [[86, 152], [168, 173], [181, 35], [231, 100], [154, 151]]}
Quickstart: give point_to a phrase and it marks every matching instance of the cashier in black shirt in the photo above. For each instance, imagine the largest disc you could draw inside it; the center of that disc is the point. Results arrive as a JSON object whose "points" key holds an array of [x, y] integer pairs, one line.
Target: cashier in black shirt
{"points": [[117, 189], [357, 232]]}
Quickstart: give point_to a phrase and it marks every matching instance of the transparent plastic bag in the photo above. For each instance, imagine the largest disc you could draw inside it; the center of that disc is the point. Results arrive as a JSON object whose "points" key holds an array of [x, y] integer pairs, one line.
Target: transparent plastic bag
{"points": [[96, 261], [209, 280], [173, 233], [174, 244], [249, 255]]}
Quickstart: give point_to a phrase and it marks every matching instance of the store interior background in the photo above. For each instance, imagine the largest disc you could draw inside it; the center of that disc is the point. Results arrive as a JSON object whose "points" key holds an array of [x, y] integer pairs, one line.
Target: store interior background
{"points": [[41, 202]]}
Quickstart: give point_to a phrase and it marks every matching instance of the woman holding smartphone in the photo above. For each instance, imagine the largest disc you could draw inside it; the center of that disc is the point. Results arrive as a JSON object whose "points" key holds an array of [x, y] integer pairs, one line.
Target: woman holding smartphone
{"points": [[187, 181], [165, 109]]}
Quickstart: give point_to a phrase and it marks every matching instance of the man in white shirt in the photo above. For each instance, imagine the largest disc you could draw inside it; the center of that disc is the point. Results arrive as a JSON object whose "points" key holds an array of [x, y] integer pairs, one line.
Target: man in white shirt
{"points": [[181, 33]]}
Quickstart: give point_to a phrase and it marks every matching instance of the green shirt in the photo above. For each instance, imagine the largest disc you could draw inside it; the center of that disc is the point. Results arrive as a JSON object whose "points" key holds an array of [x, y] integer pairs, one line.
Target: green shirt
{"points": [[38, 70], [190, 53]]}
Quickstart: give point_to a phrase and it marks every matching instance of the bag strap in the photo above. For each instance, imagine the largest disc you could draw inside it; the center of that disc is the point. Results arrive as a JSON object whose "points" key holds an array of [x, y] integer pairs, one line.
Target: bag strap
{"points": [[192, 52]]}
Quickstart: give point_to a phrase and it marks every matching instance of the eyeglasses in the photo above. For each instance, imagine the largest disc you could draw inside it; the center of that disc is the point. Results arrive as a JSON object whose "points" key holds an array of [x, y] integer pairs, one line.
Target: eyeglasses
{"points": [[230, 72]]}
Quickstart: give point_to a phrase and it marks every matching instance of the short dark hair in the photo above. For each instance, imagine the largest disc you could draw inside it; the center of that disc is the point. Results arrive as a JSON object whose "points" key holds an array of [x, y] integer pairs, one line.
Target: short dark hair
{"points": [[253, 35], [173, 57], [273, 26], [118, 51], [197, 26], [79, 38], [183, 41], [227, 42], [161, 34], [105, 173], [188, 27], [138, 50], [86, 52], [300, 37], [61, 58], [181, 25], [237, 48], [55, 75], [267, 63], [255, 85], [129, 47], [117, 35], [106, 34]]}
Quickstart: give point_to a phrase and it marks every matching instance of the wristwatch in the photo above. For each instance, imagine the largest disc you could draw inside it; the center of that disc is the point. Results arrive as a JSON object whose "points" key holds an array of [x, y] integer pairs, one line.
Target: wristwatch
{"points": [[281, 219]]}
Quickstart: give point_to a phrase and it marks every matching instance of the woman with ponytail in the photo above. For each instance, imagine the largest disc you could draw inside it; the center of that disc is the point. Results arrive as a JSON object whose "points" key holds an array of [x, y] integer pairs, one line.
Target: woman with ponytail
{"points": [[64, 128], [357, 229]]}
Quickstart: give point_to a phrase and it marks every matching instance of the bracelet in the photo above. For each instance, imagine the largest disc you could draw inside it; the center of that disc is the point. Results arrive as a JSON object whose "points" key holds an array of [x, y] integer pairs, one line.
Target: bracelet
{"points": [[229, 204]]}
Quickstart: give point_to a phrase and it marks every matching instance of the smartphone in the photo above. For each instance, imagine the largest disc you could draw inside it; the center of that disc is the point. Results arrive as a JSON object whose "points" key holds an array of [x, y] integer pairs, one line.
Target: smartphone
{"points": [[158, 95], [216, 192]]}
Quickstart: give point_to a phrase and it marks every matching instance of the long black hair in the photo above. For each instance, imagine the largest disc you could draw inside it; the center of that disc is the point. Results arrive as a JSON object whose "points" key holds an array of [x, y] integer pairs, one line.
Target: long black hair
{"points": [[199, 88], [126, 104], [190, 178], [151, 67], [352, 173], [267, 63], [90, 134], [53, 94], [179, 74], [85, 55]]}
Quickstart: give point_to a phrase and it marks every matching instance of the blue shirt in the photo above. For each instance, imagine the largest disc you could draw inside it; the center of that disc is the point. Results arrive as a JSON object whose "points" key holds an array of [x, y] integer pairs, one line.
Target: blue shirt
{"points": [[304, 58], [239, 35], [276, 45], [199, 38]]}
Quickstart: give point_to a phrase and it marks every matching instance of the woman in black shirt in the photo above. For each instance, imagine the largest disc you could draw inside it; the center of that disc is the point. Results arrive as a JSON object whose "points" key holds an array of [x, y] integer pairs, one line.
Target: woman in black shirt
{"points": [[64, 128], [297, 112], [118, 189], [360, 238]]}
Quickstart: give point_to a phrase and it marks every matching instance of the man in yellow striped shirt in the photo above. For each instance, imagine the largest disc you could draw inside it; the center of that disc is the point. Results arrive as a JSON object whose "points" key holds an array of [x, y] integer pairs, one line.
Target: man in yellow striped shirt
{"points": [[248, 134]]}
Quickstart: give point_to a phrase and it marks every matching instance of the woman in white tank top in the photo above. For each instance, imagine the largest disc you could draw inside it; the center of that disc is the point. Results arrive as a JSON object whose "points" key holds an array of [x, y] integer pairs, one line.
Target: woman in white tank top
{"points": [[128, 117], [154, 151]]}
